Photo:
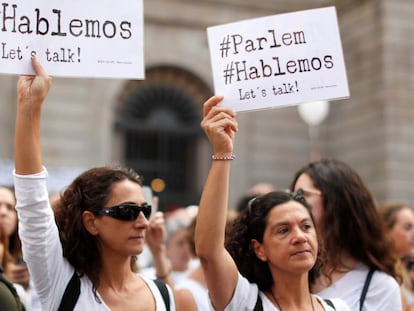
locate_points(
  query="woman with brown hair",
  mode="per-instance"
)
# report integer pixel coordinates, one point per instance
(96, 229)
(399, 219)
(360, 265)
(15, 269)
(13, 265)
(11, 295)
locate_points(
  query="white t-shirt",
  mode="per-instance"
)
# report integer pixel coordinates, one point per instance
(245, 298)
(409, 295)
(49, 270)
(199, 292)
(383, 292)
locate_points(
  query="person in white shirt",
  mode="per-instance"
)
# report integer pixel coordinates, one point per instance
(94, 231)
(353, 236)
(272, 247)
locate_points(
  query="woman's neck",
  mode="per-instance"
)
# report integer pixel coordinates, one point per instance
(292, 296)
(116, 272)
(290, 293)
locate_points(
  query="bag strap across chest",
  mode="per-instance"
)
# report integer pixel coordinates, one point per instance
(72, 292)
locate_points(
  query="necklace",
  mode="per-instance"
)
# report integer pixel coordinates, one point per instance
(280, 308)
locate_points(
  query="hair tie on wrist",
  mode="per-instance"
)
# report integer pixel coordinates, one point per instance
(223, 158)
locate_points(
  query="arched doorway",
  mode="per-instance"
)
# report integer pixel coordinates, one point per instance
(159, 120)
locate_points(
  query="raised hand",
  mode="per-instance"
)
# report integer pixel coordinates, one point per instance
(220, 126)
(32, 90)
(156, 233)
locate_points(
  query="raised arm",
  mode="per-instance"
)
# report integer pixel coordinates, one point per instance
(31, 93)
(220, 271)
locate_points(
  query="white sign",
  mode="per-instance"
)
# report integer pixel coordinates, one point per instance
(279, 60)
(76, 38)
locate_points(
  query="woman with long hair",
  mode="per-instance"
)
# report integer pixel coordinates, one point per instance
(399, 219)
(360, 265)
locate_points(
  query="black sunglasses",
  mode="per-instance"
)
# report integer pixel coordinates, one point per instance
(126, 211)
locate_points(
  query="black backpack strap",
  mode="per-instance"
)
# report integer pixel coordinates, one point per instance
(164, 293)
(259, 305)
(71, 294)
(330, 303)
(365, 288)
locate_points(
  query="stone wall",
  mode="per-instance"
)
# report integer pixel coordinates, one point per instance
(372, 130)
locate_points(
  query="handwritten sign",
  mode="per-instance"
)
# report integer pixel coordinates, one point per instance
(279, 60)
(76, 38)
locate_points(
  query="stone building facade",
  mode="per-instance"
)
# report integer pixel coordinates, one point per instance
(153, 125)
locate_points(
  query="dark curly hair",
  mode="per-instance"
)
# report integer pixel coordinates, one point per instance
(88, 192)
(251, 224)
(349, 214)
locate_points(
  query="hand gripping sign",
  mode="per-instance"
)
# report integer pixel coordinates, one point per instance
(95, 38)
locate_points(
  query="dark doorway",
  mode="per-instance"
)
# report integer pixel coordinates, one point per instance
(160, 122)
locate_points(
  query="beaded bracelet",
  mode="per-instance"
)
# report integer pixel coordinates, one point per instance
(223, 158)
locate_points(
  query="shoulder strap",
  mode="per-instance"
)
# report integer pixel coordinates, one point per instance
(71, 294)
(365, 288)
(330, 303)
(164, 293)
(259, 305)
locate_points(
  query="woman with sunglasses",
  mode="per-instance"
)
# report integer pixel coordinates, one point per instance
(272, 248)
(101, 223)
(360, 267)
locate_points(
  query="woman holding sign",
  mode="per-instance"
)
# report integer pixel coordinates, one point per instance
(272, 248)
(102, 217)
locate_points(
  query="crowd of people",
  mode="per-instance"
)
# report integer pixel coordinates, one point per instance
(324, 244)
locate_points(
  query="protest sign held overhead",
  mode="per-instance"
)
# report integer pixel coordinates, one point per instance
(96, 38)
(278, 60)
